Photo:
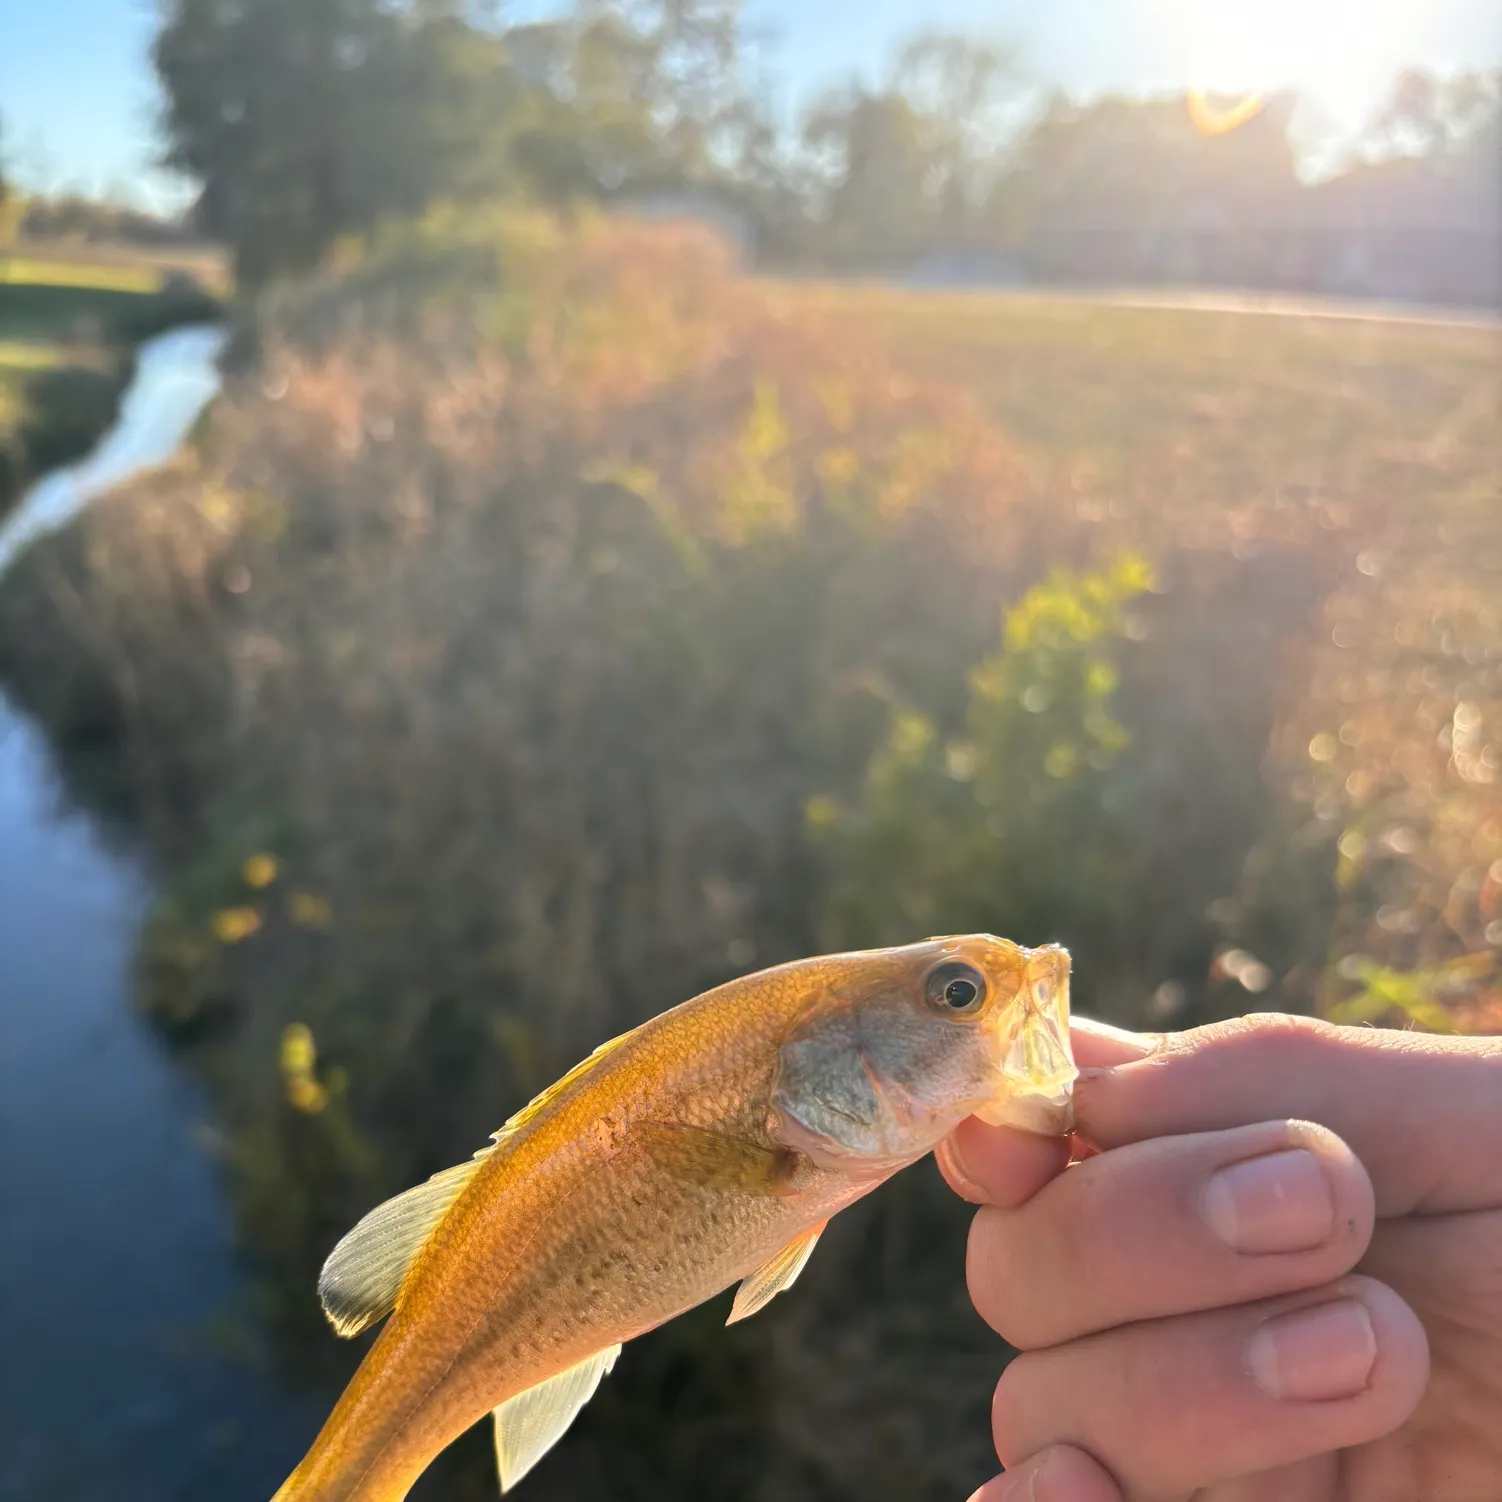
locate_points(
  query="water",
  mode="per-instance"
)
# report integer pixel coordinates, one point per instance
(176, 376)
(132, 1369)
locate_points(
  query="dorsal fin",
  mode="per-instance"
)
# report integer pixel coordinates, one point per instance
(362, 1279)
(535, 1106)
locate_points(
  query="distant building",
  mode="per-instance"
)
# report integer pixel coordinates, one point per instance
(1408, 232)
(966, 268)
(1400, 231)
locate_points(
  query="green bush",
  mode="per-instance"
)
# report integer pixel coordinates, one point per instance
(1006, 826)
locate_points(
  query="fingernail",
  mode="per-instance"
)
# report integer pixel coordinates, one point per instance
(1040, 1488)
(1315, 1355)
(1277, 1203)
(1100, 1048)
(948, 1152)
(1025, 1483)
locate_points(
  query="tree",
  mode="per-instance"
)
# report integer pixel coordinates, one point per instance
(12, 204)
(304, 120)
(634, 95)
(876, 206)
(963, 91)
(908, 166)
(307, 119)
(1426, 115)
(1127, 188)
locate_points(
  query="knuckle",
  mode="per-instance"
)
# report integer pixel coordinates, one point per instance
(1013, 1405)
(1030, 1270)
(987, 1274)
(1009, 1282)
(1272, 1034)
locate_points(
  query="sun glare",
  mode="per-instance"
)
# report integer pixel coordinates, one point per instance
(1338, 52)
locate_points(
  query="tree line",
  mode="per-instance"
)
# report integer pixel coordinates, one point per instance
(303, 121)
(308, 120)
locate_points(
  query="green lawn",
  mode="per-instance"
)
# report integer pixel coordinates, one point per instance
(18, 358)
(94, 277)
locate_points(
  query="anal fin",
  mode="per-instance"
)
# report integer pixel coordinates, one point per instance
(530, 1424)
(771, 1278)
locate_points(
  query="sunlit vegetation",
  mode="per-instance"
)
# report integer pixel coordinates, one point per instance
(549, 623)
(33, 271)
(18, 358)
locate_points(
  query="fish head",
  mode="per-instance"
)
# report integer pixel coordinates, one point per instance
(895, 1047)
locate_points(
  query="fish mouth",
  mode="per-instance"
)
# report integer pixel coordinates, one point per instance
(1037, 1064)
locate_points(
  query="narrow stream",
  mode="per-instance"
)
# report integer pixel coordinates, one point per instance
(132, 1368)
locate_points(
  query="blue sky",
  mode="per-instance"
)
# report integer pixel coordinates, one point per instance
(78, 100)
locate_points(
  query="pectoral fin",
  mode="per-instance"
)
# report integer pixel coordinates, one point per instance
(530, 1424)
(700, 1156)
(772, 1277)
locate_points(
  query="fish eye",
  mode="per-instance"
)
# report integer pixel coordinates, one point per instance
(956, 988)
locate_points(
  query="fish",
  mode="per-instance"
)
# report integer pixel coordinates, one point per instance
(706, 1148)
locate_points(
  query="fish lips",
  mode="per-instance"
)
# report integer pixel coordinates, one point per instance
(1037, 1063)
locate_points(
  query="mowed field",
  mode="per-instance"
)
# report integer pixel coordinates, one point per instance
(1237, 400)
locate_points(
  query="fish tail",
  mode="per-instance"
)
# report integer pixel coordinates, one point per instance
(320, 1478)
(362, 1453)
(365, 1452)
(296, 1489)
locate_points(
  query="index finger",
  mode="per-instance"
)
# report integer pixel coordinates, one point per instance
(1420, 1111)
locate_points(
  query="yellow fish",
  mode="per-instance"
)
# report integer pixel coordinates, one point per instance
(706, 1147)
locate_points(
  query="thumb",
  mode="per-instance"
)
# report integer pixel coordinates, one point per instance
(999, 1165)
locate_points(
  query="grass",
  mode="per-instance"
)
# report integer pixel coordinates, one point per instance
(1239, 392)
(117, 266)
(93, 276)
(17, 358)
(1373, 444)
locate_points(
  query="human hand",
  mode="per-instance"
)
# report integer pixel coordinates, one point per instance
(1231, 1303)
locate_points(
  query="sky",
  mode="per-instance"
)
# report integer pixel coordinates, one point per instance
(78, 101)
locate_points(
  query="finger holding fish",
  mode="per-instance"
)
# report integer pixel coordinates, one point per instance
(1170, 1226)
